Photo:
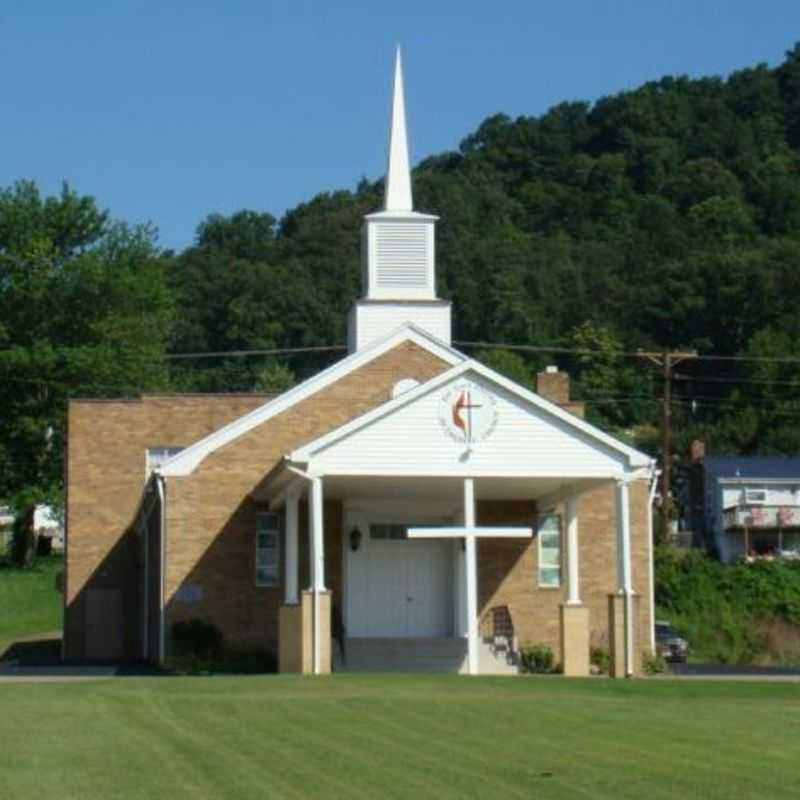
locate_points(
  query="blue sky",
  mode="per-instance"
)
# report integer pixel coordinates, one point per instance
(167, 111)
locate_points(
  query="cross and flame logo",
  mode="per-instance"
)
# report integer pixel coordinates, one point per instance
(468, 414)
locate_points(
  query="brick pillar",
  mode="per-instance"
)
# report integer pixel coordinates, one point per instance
(324, 630)
(290, 639)
(296, 635)
(616, 635)
(575, 640)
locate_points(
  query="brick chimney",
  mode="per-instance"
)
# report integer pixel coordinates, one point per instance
(553, 385)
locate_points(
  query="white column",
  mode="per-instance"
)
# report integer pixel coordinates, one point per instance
(624, 583)
(291, 559)
(471, 565)
(573, 572)
(317, 538)
(317, 565)
(624, 580)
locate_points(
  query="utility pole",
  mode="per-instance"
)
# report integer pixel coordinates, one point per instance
(667, 361)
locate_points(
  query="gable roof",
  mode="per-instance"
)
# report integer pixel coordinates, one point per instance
(634, 458)
(185, 462)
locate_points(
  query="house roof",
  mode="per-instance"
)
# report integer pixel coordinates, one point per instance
(765, 467)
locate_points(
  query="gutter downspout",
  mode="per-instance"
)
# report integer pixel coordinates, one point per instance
(162, 496)
(654, 475)
(629, 611)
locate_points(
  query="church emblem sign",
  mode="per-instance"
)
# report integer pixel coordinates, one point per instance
(468, 413)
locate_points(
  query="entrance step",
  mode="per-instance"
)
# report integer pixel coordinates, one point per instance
(418, 655)
(402, 655)
(494, 661)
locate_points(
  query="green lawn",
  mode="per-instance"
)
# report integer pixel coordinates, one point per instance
(399, 737)
(29, 602)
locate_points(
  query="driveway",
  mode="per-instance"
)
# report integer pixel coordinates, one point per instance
(734, 672)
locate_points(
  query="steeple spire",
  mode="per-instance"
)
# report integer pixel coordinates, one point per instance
(397, 195)
(398, 252)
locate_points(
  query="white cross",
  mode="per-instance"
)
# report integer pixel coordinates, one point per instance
(470, 532)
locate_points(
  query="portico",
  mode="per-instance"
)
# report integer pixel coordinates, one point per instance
(415, 555)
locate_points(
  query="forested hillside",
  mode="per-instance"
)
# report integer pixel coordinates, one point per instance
(663, 218)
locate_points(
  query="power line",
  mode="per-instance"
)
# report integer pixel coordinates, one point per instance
(275, 351)
(622, 353)
(525, 348)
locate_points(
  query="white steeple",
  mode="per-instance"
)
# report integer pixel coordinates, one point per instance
(398, 250)
(397, 193)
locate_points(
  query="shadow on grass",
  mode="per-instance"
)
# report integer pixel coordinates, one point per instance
(33, 653)
(42, 657)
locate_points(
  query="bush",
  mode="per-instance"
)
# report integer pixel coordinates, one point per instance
(653, 664)
(536, 658)
(196, 638)
(599, 657)
(730, 613)
(247, 662)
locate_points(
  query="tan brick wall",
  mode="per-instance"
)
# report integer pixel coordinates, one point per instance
(211, 513)
(107, 442)
(508, 568)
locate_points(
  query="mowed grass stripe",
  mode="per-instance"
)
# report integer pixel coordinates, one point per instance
(377, 736)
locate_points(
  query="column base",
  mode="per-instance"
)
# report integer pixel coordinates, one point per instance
(296, 635)
(617, 612)
(575, 641)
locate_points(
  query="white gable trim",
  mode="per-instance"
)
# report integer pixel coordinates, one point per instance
(634, 457)
(185, 462)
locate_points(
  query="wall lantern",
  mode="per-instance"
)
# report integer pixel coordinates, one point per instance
(355, 539)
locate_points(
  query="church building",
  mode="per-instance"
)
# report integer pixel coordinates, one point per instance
(407, 508)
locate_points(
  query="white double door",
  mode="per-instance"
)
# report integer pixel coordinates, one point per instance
(400, 588)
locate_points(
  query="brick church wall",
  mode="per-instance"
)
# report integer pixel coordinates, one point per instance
(105, 466)
(211, 514)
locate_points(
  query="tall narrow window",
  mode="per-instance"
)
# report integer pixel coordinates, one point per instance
(549, 536)
(268, 549)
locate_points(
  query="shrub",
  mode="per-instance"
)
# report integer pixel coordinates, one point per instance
(196, 638)
(247, 662)
(653, 664)
(599, 657)
(730, 613)
(536, 658)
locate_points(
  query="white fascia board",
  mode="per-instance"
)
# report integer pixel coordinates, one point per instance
(634, 457)
(185, 462)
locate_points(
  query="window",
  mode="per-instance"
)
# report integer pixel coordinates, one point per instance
(268, 549)
(755, 496)
(388, 531)
(156, 456)
(549, 535)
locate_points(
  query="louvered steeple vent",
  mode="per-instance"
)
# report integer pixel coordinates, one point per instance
(398, 250)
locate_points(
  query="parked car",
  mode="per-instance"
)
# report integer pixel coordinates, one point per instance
(669, 644)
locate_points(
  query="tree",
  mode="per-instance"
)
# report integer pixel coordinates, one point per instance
(85, 312)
